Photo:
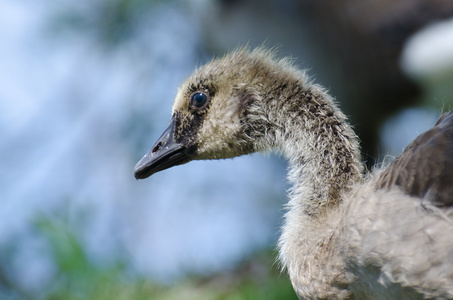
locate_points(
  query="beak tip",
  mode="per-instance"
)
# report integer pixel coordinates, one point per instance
(141, 172)
(141, 166)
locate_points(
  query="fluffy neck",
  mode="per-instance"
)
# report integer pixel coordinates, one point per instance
(304, 125)
(300, 120)
(322, 150)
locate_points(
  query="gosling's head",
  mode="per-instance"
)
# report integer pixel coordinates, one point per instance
(217, 112)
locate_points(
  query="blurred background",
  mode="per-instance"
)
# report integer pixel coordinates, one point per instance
(86, 87)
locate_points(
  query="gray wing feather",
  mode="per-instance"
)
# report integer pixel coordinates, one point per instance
(425, 168)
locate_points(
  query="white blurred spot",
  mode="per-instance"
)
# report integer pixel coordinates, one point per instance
(429, 51)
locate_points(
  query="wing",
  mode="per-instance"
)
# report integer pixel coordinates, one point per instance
(425, 167)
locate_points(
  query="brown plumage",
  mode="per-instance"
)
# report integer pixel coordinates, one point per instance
(386, 235)
(426, 165)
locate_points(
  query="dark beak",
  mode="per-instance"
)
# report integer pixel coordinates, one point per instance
(165, 154)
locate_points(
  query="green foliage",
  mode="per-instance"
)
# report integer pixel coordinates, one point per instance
(78, 277)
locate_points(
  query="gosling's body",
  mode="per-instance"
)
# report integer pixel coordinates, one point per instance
(384, 237)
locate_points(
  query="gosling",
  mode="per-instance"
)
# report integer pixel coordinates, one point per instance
(346, 235)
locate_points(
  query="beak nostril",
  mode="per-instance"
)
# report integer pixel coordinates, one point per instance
(155, 149)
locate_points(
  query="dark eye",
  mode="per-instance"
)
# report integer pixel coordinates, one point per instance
(199, 100)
